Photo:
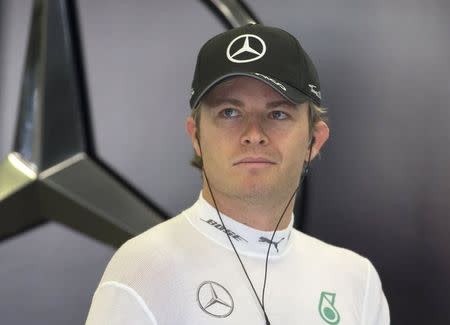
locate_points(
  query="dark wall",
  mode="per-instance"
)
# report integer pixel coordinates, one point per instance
(382, 185)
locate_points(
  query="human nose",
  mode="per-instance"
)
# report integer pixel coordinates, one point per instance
(254, 133)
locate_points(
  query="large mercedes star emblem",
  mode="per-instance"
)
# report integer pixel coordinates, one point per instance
(214, 299)
(246, 48)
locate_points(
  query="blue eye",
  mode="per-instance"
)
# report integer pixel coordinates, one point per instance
(278, 115)
(229, 112)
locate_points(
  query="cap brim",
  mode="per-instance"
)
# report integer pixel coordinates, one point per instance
(290, 93)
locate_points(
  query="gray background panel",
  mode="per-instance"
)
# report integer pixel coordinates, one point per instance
(14, 27)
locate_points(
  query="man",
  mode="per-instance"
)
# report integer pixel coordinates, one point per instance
(234, 257)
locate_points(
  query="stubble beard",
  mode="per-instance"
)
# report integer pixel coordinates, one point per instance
(259, 192)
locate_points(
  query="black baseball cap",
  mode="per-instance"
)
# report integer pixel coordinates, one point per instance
(269, 54)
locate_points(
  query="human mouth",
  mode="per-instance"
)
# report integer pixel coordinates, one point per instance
(255, 162)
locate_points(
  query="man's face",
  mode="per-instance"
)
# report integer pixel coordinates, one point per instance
(253, 142)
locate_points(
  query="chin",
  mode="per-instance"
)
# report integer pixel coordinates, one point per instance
(255, 188)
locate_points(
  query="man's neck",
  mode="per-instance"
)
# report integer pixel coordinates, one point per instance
(263, 216)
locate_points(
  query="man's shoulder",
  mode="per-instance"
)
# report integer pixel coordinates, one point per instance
(324, 253)
(161, 234)
(154, 250)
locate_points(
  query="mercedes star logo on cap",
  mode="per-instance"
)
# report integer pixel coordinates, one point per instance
(214, 299)
(241, 51)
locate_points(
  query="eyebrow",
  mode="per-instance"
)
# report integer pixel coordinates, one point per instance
(282, 102)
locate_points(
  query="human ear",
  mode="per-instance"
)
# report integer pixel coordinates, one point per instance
(320, 135)
(191, 129)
